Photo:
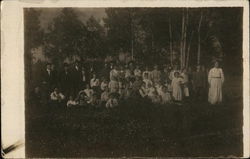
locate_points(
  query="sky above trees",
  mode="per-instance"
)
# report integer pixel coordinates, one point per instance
(48, 14)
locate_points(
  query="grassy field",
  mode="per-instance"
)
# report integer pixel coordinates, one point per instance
(138, 128)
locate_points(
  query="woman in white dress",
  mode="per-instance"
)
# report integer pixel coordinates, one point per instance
(215, 81)
(176, 87)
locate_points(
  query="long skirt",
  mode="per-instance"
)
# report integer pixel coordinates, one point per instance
(177, 93)
(215, 91)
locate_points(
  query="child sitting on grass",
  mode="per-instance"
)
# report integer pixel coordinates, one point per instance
(88, 92)
(105, 95)
(143, 90)
(112, 102)
(82, 98)
(165, 95)
(155, 98)
(95, 102)
(71, 102)
(104, 84)
(57, 97)
(114, 85)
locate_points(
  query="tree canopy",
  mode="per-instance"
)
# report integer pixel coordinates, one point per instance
(186, 36)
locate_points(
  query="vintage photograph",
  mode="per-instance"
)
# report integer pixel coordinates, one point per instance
(133, 82)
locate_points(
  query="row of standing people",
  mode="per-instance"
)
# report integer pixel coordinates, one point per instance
(159, 86)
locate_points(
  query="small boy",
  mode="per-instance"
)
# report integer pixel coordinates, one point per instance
(165, 95)
(112, 102)
(71, 102)
(57, 96)
(114, 86)
(88, 91)
(105, 95)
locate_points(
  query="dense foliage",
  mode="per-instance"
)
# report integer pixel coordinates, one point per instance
(187, 36)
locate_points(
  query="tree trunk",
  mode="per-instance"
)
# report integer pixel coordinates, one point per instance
(182, 37)
(170, 43)
(185, 40)
(188, 50)
(199, 42)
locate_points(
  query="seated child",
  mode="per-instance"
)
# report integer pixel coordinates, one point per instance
(122, 90)
(122, 72)
(89, 92)
(71, 102)
(105, 95)
(104, 84)
(147, 80)
(151, 90)
(128, 73)
(94, 83)
(114, 86)
(155, 98)
(81, 99)
(128, 90)
(94, 100)
(112, 102)
(56, 96)
(143, 90)
(158, 87)
(165, 95)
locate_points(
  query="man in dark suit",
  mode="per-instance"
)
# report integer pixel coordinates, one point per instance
(76, 78)
(48, 80)
(64, 78)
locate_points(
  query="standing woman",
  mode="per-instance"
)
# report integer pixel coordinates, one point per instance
(215, 81)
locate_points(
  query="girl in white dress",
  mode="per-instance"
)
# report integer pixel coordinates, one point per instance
(114, 86)
(155, 98)
(104, 84)
(165, 95)
(88, 91)
(105, 95)
(176, 87)
(94, 82)
(147, 80)
(71, 102)
(151, 91)
(143, 90)
(112, 102)
(215, 81)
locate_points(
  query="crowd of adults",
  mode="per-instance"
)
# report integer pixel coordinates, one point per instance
(77, 85)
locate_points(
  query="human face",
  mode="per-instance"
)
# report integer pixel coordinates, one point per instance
(216, 64)
(48, 67)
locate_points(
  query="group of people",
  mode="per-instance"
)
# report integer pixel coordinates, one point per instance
(114, 83)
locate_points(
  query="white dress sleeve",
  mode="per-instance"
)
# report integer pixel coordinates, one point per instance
(210, 76)
(62, 96)
(52, 96)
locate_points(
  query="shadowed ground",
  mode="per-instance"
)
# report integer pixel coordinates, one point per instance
(138, 128)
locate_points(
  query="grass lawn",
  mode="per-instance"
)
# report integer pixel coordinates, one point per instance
(136, 128)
